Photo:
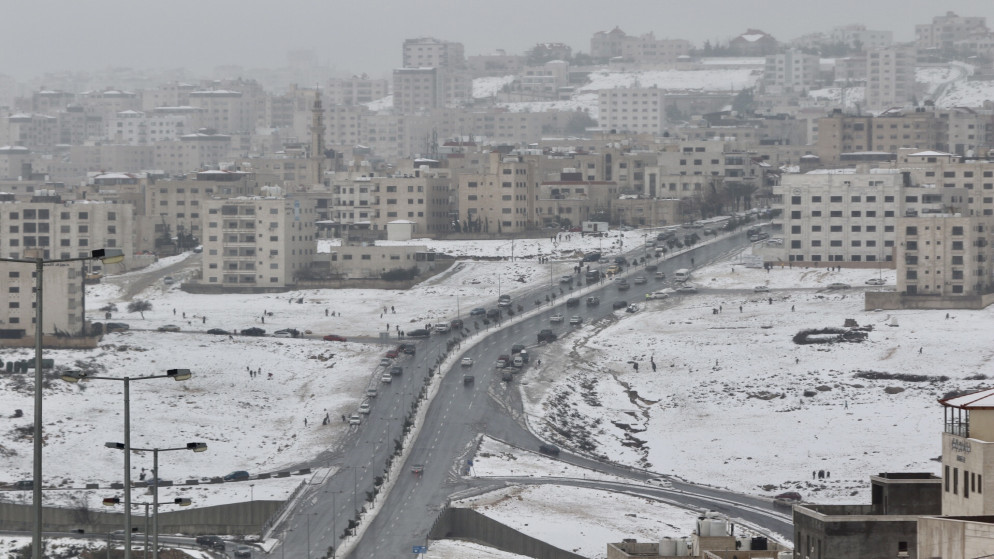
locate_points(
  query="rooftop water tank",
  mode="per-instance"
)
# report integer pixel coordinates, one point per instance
(667, 547)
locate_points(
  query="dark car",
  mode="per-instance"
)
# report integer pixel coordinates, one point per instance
(116, 327)
(456, 324)
(651, 268)
(593, 301)
(419, 333)
(546, 336)
(478, 311)
(408, 349)
(619, 304)
(334, 338)
(592, 257)
(621, 260)
(550, 449)
(254, 331)
(572, 302)
(212, 542)
(493, 313)
(396, 371)
(516, 348)
(25, 484)
(237, 475)
(218, 332)
(243, 551)
(623, 285)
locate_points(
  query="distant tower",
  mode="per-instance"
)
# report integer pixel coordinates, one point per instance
(317, 137)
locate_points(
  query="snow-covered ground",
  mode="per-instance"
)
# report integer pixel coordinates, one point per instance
(489, 86)
(725, 407)
(676, 80)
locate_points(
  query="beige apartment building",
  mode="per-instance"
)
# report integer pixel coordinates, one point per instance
(791, 71)
(502, 199)
(192, 152)
(945, 255)
(635, 109)
(225, 111)
(257, 243)
(920, 129)
(946, 30)
(890, 76)
(356, 90)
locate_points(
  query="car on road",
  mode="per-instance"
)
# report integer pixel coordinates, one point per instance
(419, 333)
(219, 332)
(761, 289)
(254, 331)
(593, 301)
(639, 280)
(334, 338)
(168, 328)
(354, 419)
(243, 551)
(370, 392)
(687, 288)
(25, 484)
(117, 535)
(546, 336)
(442, 327)
(517, 348)
(467, 362)
(788, 498)
(408, 349)
(478, 311)
(386, 379)
(168, 280)
(213, 542)
(507, 376)
(566, 279)
(285, 333)
(576, 320)
(468, 379)
(116, 327)
(875, 281)
(660, 276)
(661, 482)
(396, 371)
(835, 286)
(550, 449)
(456, 324)
(623, 285)
(392, 353)
(385, 362)
(493, 314)
(619, 305)
(572, 302)
(364, 408)
(558, 317)
(237, 475)
(612, 269)
(657, 295)
(633, 308)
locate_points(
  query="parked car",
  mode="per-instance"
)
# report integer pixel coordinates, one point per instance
(493, 314)
(593, 301)
(550, 449)
(354, 419)
(237, 475)
(761, 289)
(386, 379)
(408, 349)
(687, 288)
(396, 371)
(639, 280)
(835, 286)
(334, 338)
(385, 362)
(633, 308)
(576, 320)
(507, 376)
(875, 281)
(517, 348)
(467, 362)
(285, 333)
(441, 327)
(371, 392)
(478, 311)
(546, 336)
(612, 269)
(558, 317)
(419, 333)
(566, 279)
(24, 484)
(168, 328)
(168, 280)
(219, 332)
(254, 331)
(116, 327)
(213, 542)
(364, 408)
(619, 304)
(456, 324)
(651, 268)
(243, 551)
(572, 302)
(503, 361)
(392, 353)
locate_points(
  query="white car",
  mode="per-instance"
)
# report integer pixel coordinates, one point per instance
(687, 288)
(661, 482)
(364, 408)
(761, 289)
(576, 320)
(354, 419)
(657, 295)
(467, 361)
(557, 318)
(386, 379)
(875, 281)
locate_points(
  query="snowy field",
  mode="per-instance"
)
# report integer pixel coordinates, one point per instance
(676, 80)
(722, 380)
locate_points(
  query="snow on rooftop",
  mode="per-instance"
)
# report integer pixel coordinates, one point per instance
(753, 37)
(931, 153)
(983, 400)
(675, 80)
(381, 104)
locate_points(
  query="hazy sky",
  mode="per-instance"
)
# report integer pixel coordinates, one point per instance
(366, 35)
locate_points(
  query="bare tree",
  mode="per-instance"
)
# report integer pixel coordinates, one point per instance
(139, 306)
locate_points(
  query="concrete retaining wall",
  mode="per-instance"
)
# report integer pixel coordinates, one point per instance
(467, 524)
(53, 342)
(233, 519)
(890, 300)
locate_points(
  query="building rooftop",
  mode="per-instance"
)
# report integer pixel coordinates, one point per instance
(983, 400)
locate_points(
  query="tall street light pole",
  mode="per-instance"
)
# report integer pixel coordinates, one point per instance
(111, 256)
(111, 501)
(175, 374)
(156, 480)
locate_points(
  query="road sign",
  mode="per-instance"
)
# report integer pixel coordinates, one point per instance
(420, 549)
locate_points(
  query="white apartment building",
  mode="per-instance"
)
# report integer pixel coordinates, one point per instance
(225, 111)
(791, 70)
(428, 52)
(945, 30)
(890, 76)
(52, 229)
(191, 152)
(636, 109)
(356, 90)
(135, 128)
(502, 199)
(944, 254)
(257, 243)
(857, 35)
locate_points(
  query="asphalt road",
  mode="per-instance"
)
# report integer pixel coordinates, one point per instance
(459, 414)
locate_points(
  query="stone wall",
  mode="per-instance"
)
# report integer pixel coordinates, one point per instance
(467, 524)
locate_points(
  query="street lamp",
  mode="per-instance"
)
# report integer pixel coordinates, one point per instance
(111, 256)
(156, 480)
(175, 374)
(111, 501)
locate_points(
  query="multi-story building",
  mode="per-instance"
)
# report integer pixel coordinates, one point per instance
(644, 49)
(356, 90)
(753, 42)
(34, 131)
(945, 255)
(415, 89)
(945, 30)
(76, 126)
(857, 36)
(791, 70)
(257, 243)
(890, 76)
(502, 199)
(192, 152)
(636, 109)
(225, 111)
(428, 52)
(920, 129)
(135, 128)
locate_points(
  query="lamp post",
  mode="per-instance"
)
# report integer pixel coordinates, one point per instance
(111, 501)
(175, 374)
(156, 480)
(112, 256)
